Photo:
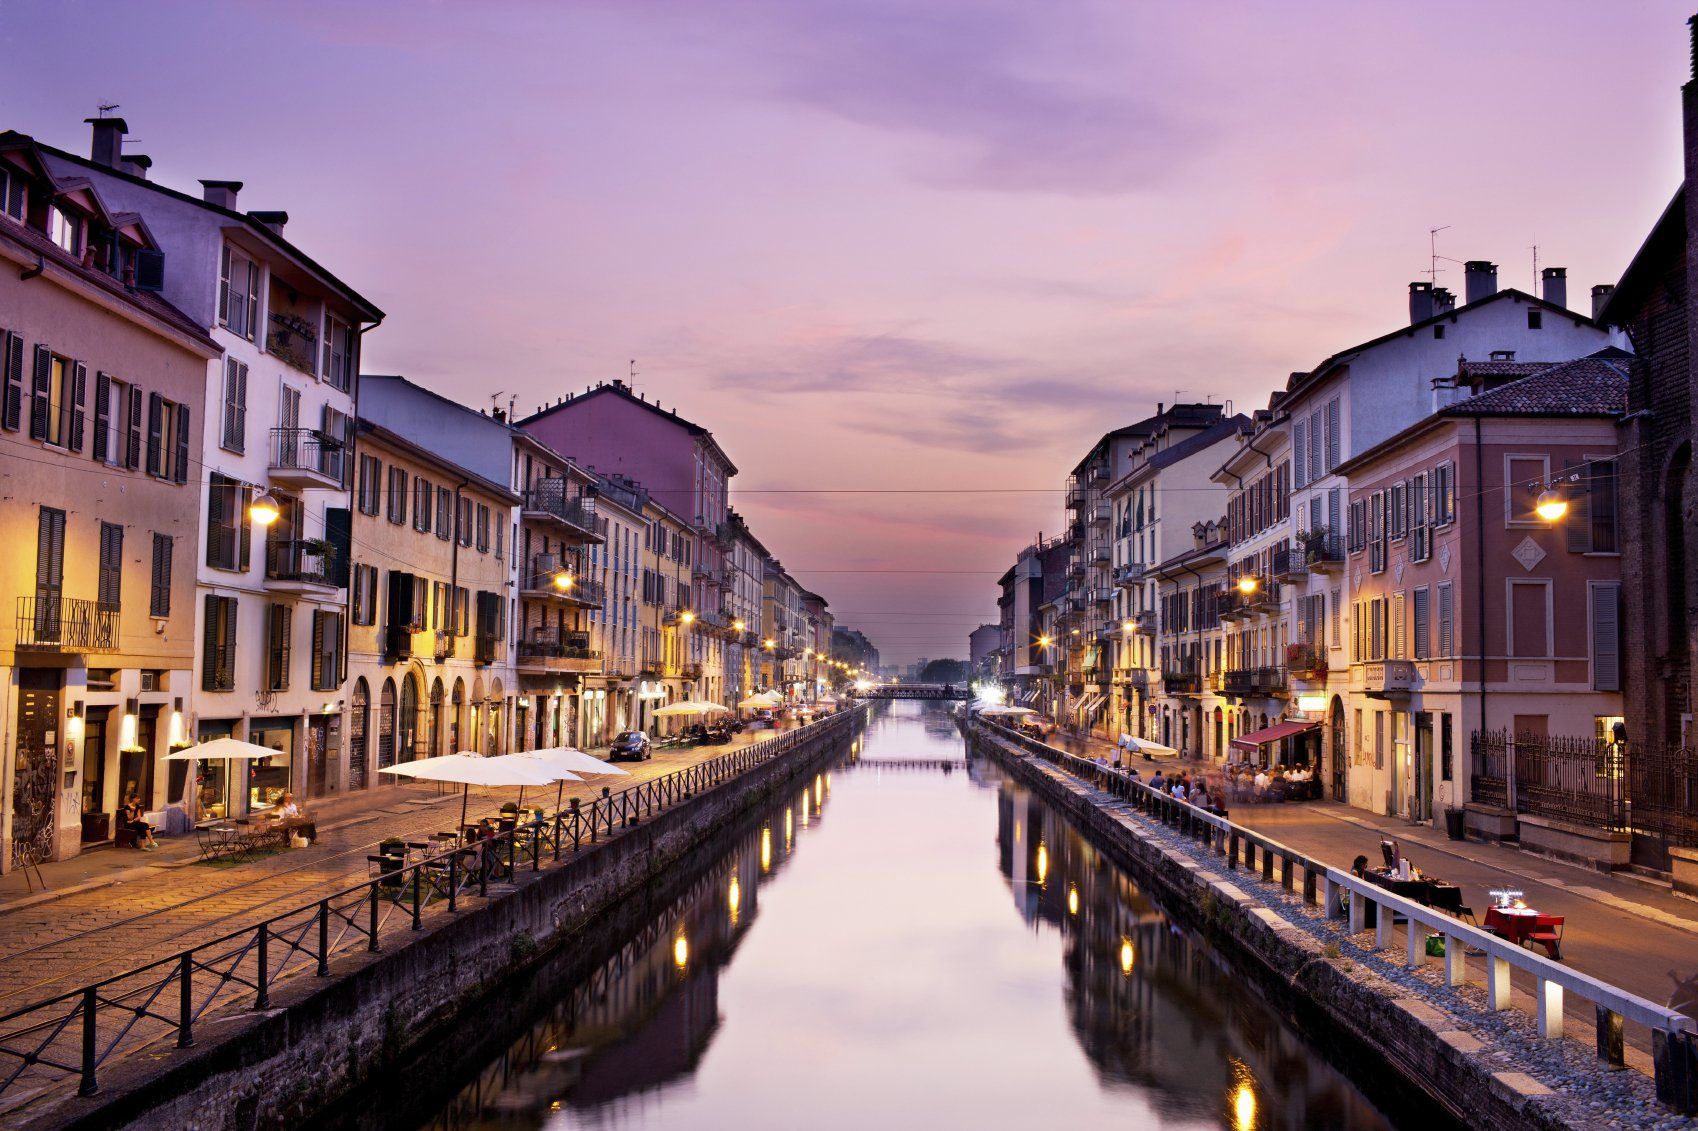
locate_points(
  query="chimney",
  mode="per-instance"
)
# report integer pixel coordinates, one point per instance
(1480, 280)
(1443, 301)
(108, 144)
(221, 193)
(137, 165)
(1601, 295)
(1420, 302)
(1553, 286)
(272, 220)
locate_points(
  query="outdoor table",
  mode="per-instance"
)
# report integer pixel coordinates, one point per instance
(219, 840)
(1522, 925)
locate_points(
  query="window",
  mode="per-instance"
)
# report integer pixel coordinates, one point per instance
(1605, 600)
(109, 590)
(1535, 319)
(228, 531)
(371, 483)
(338, 352)
(326, 650)
(363, 599)
(56, 402)
(1438, 330)
(218, 653)
(1447, 620)
(1399, 511)
(235, 432)
(1592, 507)
(159, 598)
(167, 439)
(1333, 437)
(1300, 451)
(279, 626)
(465, 521)
(1422, 616)
(12, 392)
(483, 528)
(65, 229)
(12, 199)
(444, 513)
(112, 425)
(422, 499)
(1530, 619)
(238, 294)
(398, 495)
(1444, 494)
(1524, 478)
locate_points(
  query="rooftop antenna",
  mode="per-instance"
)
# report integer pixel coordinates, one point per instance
(107, 107)
(495, 401)
(1433, 255)
(1536, 272)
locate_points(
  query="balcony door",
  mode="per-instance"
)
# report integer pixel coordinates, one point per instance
(288, 421)
(49, 574)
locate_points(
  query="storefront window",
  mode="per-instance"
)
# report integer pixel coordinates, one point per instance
(268, 778)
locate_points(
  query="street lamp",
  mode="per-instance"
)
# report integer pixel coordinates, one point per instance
(1551, 504)
(265, 509)
(1248, 584)
(686, 617)
(564, 580)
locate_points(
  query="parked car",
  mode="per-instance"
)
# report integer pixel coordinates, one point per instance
(630, 745)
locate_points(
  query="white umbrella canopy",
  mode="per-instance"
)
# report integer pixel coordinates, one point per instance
(468, 770)
(1145, 746)
(760, 699)
(1005, 710)
(233, 749)
(570, 758)
(690, 707)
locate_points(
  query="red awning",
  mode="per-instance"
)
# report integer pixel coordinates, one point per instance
(1273, 734)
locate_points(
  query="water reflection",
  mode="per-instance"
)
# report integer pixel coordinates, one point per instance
(864, 970)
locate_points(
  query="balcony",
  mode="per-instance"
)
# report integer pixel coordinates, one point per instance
(1092, 675)
(1289, 564)
(1101, 554)
(1144, 621)
(1383, 679)
(1138, 679)
(66, 624)
(1323, 553)
(1098, 473)
(1306, 662)
(1101, 596)
(306, 457)
(1181, 681)
(1129, 575)
(690, 671)
(547, 502)
(550, 578)
(1254, 681)
(300, 565)
(547, 650)
(1102, 514)
(486, 649)
(1075, 494)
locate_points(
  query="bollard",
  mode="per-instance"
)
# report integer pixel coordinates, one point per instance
(185, 1001)
(323, 938)
(262, 983)
(90, 1011)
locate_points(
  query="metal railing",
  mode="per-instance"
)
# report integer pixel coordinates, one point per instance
(1323, 552)
(1253, 681)
(548, 496)
(1340, 894)
(73, 1034)
(307, 449)
(553, 645)
(299, 560)
(66, 624)
(547, 581)
(1581, 780)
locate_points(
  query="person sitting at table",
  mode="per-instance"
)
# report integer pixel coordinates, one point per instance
(1261, 782)
(1359, 867)
(132, 818)
(287, 808)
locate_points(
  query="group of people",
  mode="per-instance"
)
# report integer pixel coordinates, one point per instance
(1183, 787)
(1270, 783)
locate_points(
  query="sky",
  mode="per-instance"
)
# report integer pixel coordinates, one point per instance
(882, 247)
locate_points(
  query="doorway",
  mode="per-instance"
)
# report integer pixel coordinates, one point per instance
(1421, 774)
(35, 782)
(96, 809)
(1340, 751)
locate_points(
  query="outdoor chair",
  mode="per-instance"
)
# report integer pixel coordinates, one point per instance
(1548, 937)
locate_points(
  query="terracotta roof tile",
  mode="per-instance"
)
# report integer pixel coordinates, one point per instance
(1587, 386)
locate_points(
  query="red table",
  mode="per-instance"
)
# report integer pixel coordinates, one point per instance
(1521, 926)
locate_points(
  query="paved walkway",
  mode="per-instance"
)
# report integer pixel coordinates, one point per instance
(1621, 928)
(111, 910)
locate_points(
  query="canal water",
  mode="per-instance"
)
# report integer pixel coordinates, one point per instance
(910, 940)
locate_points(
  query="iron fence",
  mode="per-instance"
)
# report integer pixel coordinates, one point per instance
(75, 1033)
(1581, 780)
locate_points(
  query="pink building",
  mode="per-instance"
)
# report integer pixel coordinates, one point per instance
(1466, 611)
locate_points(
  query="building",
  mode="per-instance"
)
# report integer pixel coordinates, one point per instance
(554, 653)
(783, 644)
(611, 429)
(278, 409)
(429, 664)
(816, 644)
(100, 417)
(1473, 614)
(1190, 712)
(665, 674)
(609, 702)
(746, 566)
(851, 646)
(984, 652)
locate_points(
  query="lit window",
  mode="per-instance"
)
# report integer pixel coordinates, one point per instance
(64, 229)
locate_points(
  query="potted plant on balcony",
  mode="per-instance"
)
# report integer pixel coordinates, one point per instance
(1315, 541)
(1305, 660)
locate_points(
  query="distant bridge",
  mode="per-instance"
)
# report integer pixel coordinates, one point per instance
(945, 691)
(947, 765)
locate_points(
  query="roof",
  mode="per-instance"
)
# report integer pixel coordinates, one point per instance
(1274, 733)
(620, 389)
(1300, 381)
(1192, 414)
(1187, 447)
(1595, 385)
(425, 455)
(1667, 238)
(1193, 556)
(252, 223)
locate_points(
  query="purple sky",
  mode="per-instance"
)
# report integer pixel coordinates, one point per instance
(913, 243)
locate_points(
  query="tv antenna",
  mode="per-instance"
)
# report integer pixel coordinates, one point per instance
(1433, 255)
(1536, 271)
(107, 107)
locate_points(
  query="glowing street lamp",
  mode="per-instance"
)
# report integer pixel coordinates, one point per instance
(686, 617)
(1248, 584)
(265, 509)
(1551, 505)
(564, 580)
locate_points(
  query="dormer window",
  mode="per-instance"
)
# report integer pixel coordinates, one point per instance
(12, 202)
(65, 230)
(338, 353)
(238, 294)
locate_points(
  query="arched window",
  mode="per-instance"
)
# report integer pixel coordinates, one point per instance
(457, 717)
(386, 726)
(433, 723)
(407, 723)
(359, 724)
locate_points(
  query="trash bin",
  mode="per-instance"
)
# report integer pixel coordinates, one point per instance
(1453, 824)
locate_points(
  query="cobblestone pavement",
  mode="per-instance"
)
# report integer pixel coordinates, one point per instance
(158, 908)
(1622, 929)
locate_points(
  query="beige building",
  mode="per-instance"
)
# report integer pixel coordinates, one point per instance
(100, 426)
(429, 668)
(608, 703)
(558, 522)
(666, 622)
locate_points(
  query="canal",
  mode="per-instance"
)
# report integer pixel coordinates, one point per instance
(911, 940)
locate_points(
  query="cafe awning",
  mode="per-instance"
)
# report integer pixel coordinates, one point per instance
(1274, 733)
(1089, 704)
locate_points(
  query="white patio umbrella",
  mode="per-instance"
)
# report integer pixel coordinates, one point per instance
(1147, 748)
(1006, 711)
(214, 749)
(571, 761)
(468, 770)
(690, 707)
(760, 699)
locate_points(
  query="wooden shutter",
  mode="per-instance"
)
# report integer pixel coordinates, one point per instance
(1333, 438)
(109, 584)
(1606, 637)
(235, 405)
(38, 404)
(12, 397)
(1578, 520)
(78, 399)
(210, 653)
(1300, 452)
(180, 470)
(50, 554)
(227, 653)
(338, 533)
(317, 649)
(155, 422)
(102, 416)
(282, 624)
(159, 600)
(132, 430)
(1447, 622)
(216, 534)
(1422, 618)
(253, 300)
(224, 287)
(240, 498)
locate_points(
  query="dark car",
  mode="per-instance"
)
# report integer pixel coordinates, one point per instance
(630, 745)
